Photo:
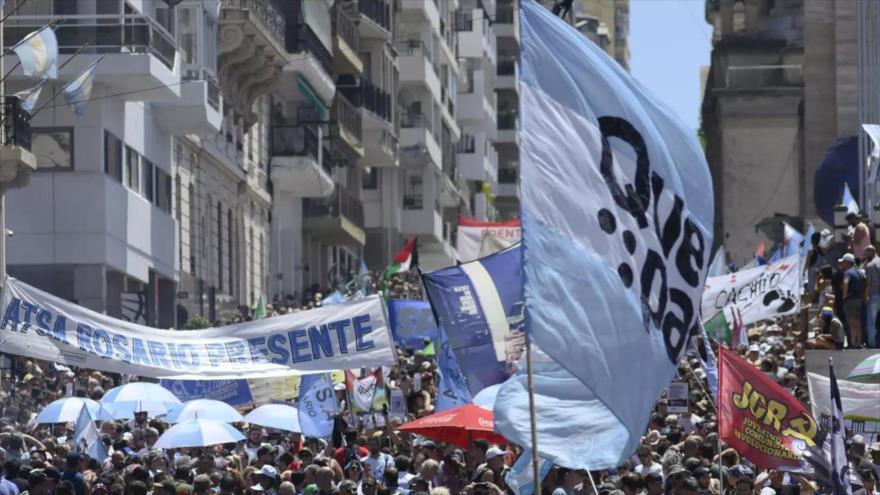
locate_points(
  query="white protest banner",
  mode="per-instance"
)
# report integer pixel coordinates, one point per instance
(360, 391)
(757, 293)
(677, 399)
(859, 400)
(39, 325)
(397, 408)
(472, 233)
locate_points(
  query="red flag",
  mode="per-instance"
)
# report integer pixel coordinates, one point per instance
(759, 418)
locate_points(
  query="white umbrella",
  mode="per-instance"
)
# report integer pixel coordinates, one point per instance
(278, 416)
(67, 410)
(486, 398)
(198, 433)
(125, 400)
(204, 409)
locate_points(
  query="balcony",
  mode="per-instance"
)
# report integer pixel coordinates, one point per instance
(417, 138)
(252, 53)
(311, 60)
(338, 219)
(346, 44)
(419, 12)
(507, 131)
(416, 66)
(505, 73)
(475, 158)
(476, 104)
(474, 35)
(376, 19)
(508, 182)
(138, 52)
(348, 123)
(506, 25)
(198, 109)
(296, 162)
(16, 160)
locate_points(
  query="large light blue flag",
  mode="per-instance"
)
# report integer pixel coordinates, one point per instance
(718, 266)
(316, 405)
(617, 219)
(38, 53)
(86, 439)
(521, 477)
(793, 241)
(29, 97)
(334, 297)
(78, 91)
(452, 388)
(808, 240)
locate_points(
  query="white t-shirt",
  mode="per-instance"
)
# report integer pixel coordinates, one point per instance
(653, 468)
(378, 464)
(689, 424)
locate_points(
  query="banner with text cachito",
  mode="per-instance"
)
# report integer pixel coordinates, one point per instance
(757, 293)
(761, 420)
(351, 335)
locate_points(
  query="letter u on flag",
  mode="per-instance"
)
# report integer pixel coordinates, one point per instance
(617, 219)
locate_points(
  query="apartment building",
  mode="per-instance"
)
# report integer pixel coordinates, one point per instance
(155, 204)
(507, 42)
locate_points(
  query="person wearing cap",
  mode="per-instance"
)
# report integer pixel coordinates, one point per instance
(830, 333)
(267, 477)
(202, 484)
(853, 298)
(493, 470)
(377, 461)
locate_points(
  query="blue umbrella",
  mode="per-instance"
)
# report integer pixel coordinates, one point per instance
(276, 416)
(198, 433)
(213, 410)
(125, 400)
(66, 410)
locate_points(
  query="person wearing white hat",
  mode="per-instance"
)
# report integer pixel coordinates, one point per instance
(853, 297)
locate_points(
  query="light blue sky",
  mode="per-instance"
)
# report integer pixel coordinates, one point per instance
(669, 40)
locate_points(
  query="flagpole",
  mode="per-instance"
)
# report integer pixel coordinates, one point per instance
(536, 469)
(57, 93)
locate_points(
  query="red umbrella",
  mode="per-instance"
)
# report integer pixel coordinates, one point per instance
(459, 426)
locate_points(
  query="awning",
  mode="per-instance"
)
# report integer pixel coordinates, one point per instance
(312, 95)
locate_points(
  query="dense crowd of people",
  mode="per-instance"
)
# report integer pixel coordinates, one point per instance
(680, 453)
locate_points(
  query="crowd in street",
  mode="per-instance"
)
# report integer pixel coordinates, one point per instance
(679, 453)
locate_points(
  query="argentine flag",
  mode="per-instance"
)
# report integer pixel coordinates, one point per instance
(29, 97)
(78, 91)
(617, 219)
(38, 53)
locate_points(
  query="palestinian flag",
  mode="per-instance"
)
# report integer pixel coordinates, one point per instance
(405, 259)
(718, 328)
(260, 311)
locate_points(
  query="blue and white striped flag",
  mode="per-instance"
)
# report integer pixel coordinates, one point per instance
(316, 405)
(840, 475)
(78, 91)
(38, 53)
(29, 97)
(852, 206)
(617, 219)
(86, 438)
(521, 477)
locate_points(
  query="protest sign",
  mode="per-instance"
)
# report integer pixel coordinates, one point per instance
(760, 419)
(861, 401)
(361, 391)
(480, 307)
(232, 392)
(411, 322)
(317, 405)
(677, 399)
(398, 404)
(757, 293)
(472, 234)
(39, 325)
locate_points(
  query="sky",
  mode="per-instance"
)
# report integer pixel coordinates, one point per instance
(669, 40)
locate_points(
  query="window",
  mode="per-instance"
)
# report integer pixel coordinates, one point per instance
(412, 193)
(112, 156)
(132, 168)
(186, 35)
(178, 213)
(147, 189)
(193, 237)
(53, 148)
(163, 191)
(219, 246)
(371, 178)
(251, 262)
(229, 250)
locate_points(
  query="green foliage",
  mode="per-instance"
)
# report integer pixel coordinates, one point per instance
(197, 322)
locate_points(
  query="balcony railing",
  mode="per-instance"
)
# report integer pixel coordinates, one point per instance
(464, 21)
(369, 96)
(102, 34)
(264, 12)
(506, 67)
(346, 28)
(415, 47)
(199, 73)
(507, 121)
(411, 120)
(341, 204)
(16, 124)
(347, 116)
(377, 10)
(467, 144)
(508, 176)
(764, 76)
(294, 140)
(302, 39)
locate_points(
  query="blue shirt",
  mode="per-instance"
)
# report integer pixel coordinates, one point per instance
(856, 280)
(7, 487)
(79, 485)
